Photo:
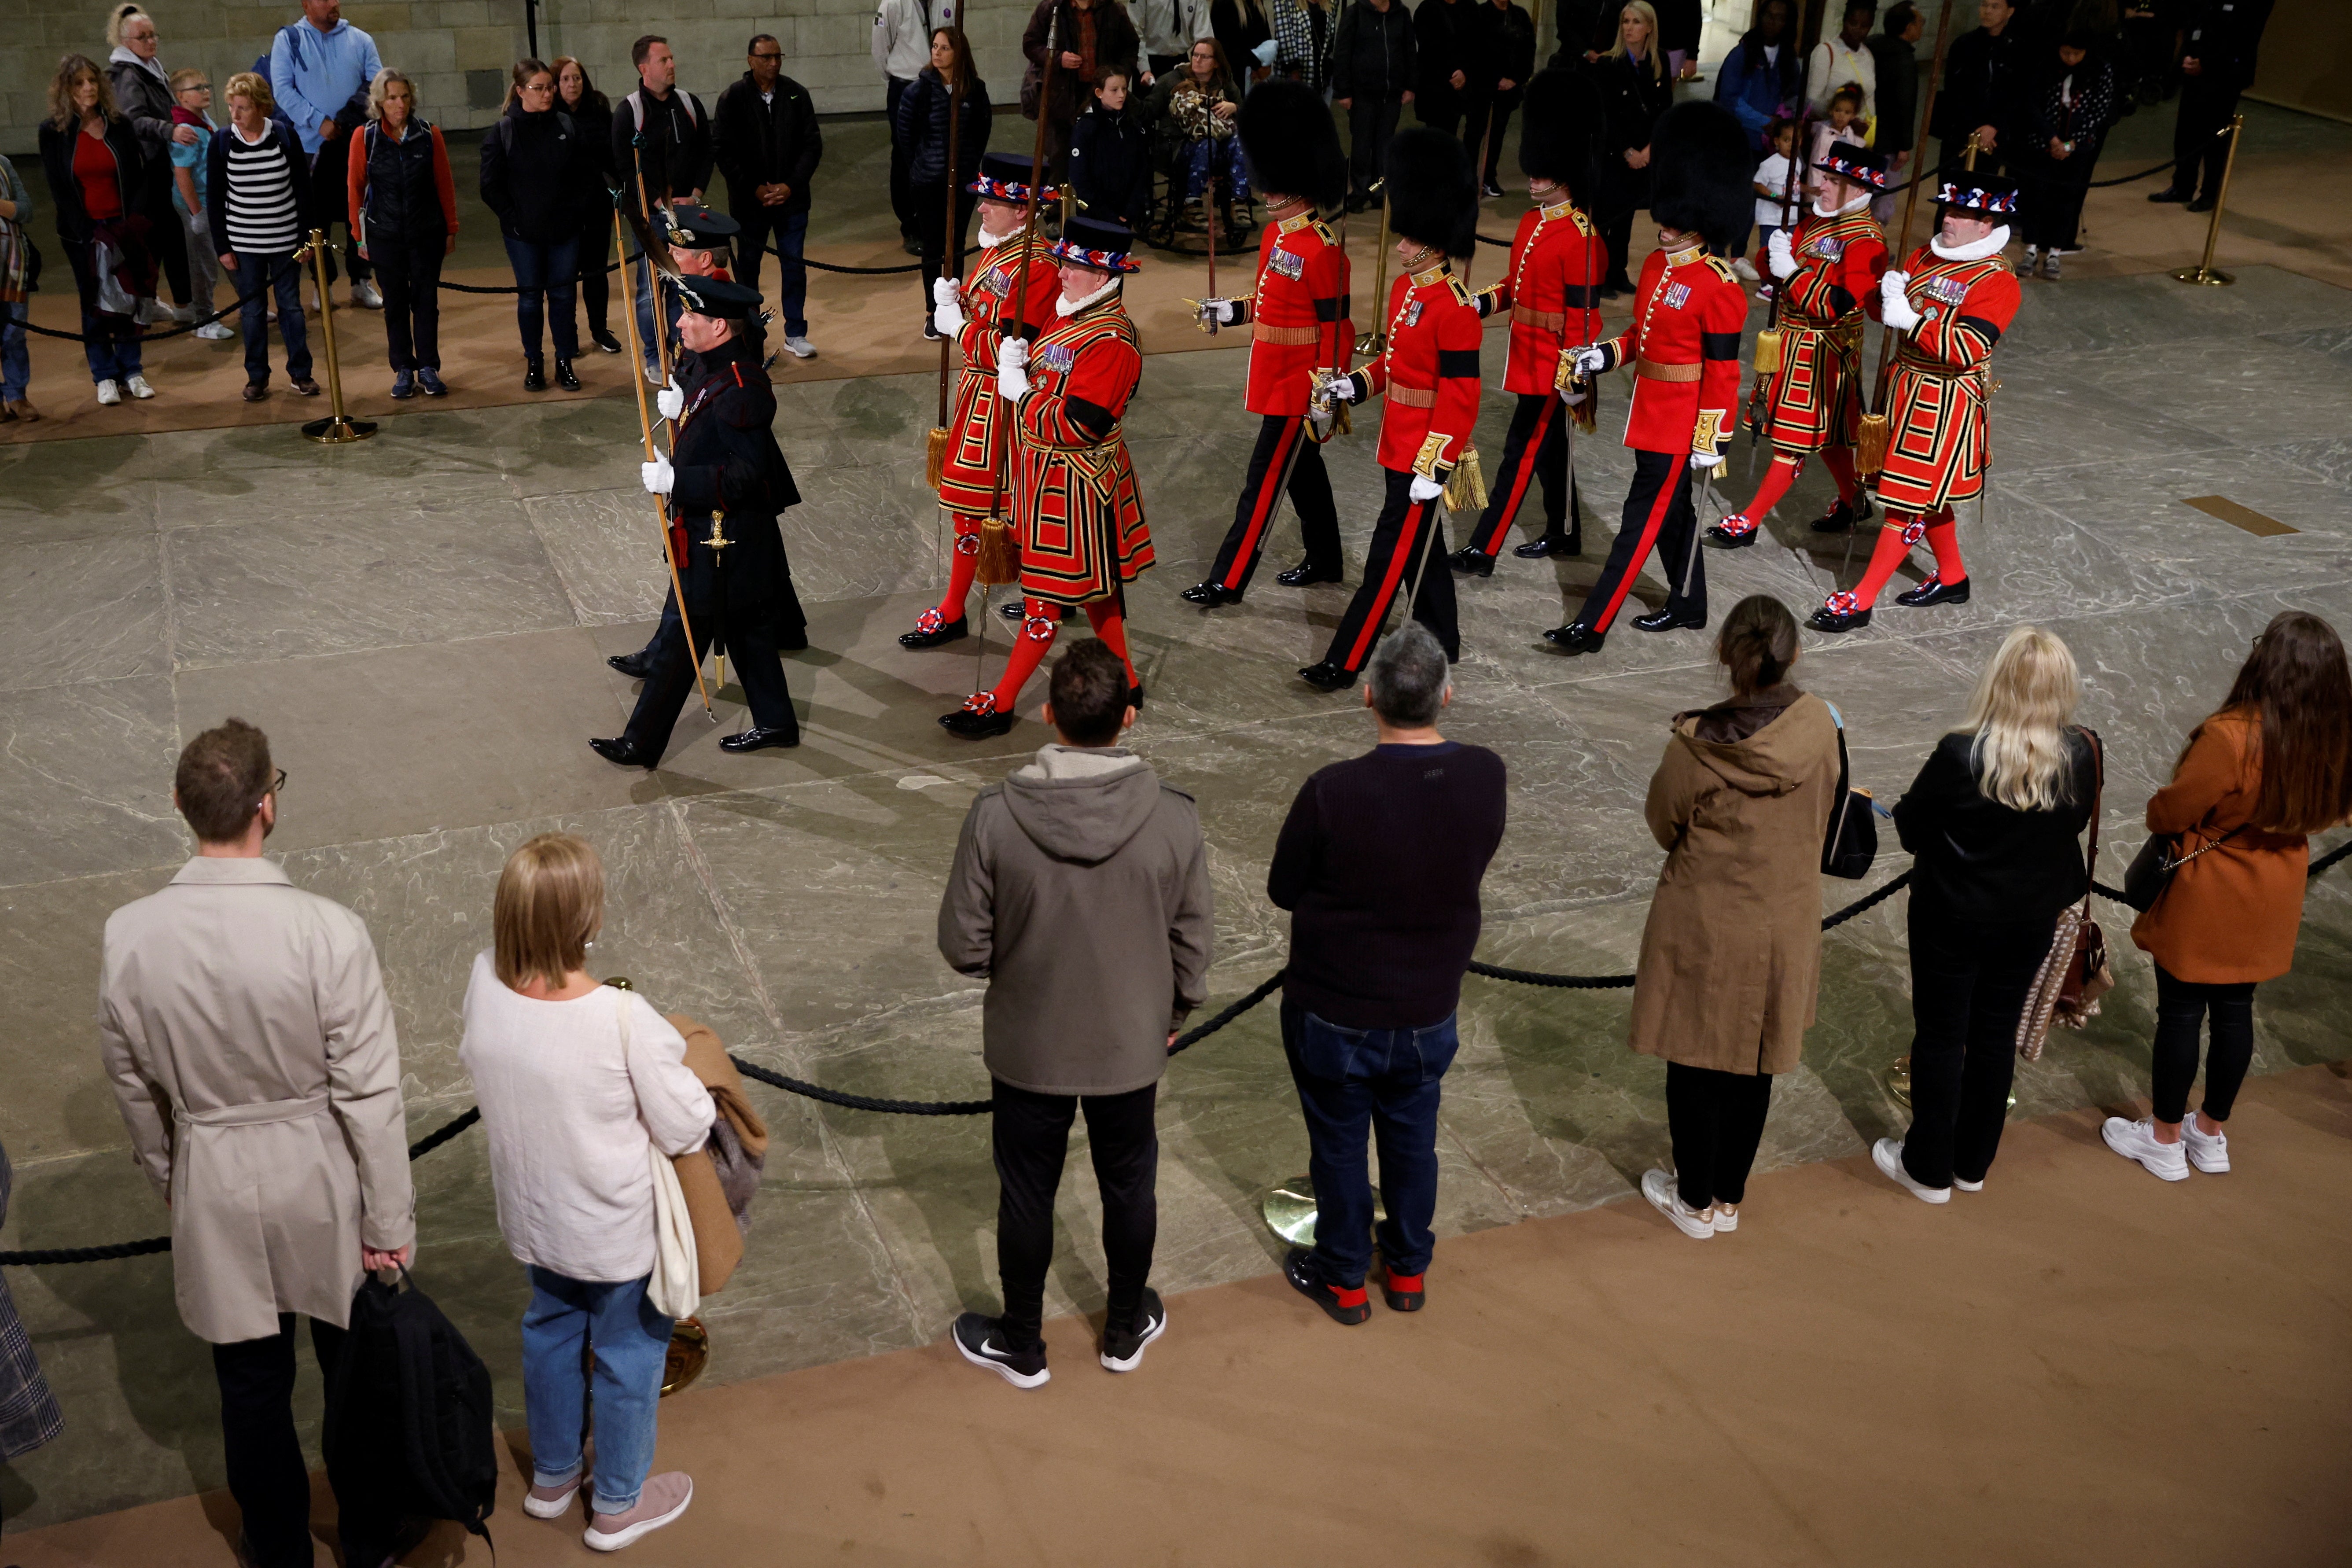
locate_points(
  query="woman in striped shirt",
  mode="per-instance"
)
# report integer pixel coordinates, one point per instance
(261, 194)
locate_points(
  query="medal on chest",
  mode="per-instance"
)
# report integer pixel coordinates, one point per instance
(1950, 290)
(1290, 264)
(1827, 249)
(1675, 295)
(1057, 358)
(1411, 317)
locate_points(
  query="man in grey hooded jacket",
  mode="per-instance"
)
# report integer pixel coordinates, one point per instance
(1080, 892)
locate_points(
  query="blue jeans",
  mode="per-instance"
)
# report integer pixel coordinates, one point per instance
(632, 1342)
(1384, 1081)
(250, 272)
(547, 280)
(647, 343)
(1213, 155)
(16, 361)
(112, 346)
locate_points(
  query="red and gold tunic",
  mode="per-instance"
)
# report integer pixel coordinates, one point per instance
(1940, 445)
(1297, 313)
(1552, 292)
(1076, 501)
(1429, 372)
(1684, 346)
(975, 445)
(1816, 397)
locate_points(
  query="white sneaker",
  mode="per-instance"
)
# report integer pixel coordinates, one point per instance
(136, 387)
(1727, 1217)
(1658, 1187)
(2209, 1152)
(2032, 261)
(214, 332)
(551, 1503)
(802, 348)
(152, 312)
(1745, 268)
(1967, 1186)
(2049, 267)
(109, 394)
(2136, 1141)
(1887, 1155)
(367, 296)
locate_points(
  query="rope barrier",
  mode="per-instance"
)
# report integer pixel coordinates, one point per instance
(1186, 1041)
(140, 335)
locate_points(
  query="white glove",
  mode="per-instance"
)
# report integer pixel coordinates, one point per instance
(1703, 461)
(659, 477)
(1425, 488)
(670, 400)
(1340, 389)
(1012, 376)
(1591, 360)
(943, 292)
(948, 318)
(1222, 311)
(1014, 351)
(1781, 255)
(1893, 307)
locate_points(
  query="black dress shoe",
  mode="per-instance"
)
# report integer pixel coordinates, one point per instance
(1576, 637)
(757, 739)
(2168, 194)
(794, 642)
(1306, 574)
(968, 725)
(563, 376)
(1827, 620)
(1935, 591)
(635, 666)
(1669, 621)
(939, 636)
(604, 340)
(1841, 518)
(2202, 204)
(1324, 676)
(1722, 538)
(1135, 697)
(1550, 545)
(626, 751)
(533, 378)
(1471, 561)
(1209, 595)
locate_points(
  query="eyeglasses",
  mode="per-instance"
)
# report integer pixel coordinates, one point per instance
(277, 786)
(778, 55)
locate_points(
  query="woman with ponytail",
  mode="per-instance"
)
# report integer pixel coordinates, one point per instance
(2272, 766)
(1731, 957)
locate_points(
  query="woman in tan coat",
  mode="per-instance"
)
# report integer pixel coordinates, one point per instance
(1731, 957)
(2274, 765)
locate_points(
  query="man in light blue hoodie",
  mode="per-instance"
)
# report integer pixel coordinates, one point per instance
(320, 68)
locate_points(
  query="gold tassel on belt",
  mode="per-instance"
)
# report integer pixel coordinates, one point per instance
(1465, 487)
(1768, 351)
(935, 455)
(999, 561)
(1870, 444)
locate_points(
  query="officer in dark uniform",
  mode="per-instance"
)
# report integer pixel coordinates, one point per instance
(2218, 41)
(725, 484)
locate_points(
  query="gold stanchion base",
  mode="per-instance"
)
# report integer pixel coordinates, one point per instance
(336, 430)
(1370, 344)
(1899, 1084)
(2209, 276)
(1289, 1211)
(689, 1353)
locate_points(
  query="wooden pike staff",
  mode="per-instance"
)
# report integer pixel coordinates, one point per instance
(1871, 439)
(1465, 487)
(1768, 337)
(935, 453)
(645, 430)
(645, 240)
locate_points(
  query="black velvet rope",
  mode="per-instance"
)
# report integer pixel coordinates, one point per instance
(143, 336)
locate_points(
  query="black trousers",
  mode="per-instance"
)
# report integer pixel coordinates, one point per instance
(1441, 108)
(1494, 117)
(1409, 539)
(2053, 215)
(595, 283)
(2182, 1008)
(330, 204)
(267, 1473)
(1715, 1119)
(408, 269)
(2199, 146)
(902, 201)
(1658, 516)
(167, 236)
(1287, 459)
(1032, 1137)
(1968, 980)
(931, 229)
(1372, 126)
(1617, 230)
(759, 666)
(1535, 450)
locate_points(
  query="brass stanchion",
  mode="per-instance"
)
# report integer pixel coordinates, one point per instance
(1289, 1211)
(1376, 339)
(2203, 272)
(338, 428)
(1899, 1084)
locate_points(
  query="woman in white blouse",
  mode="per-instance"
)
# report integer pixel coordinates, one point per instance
(575, 1080)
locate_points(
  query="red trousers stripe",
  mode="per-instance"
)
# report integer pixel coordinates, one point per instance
(1525, 476)
(1269, 495)
(1650, 526)
(1410, 545)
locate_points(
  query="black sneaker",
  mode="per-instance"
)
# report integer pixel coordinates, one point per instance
(1122, 1347)
(1348, 1307)
(980, 1341)
(604, 341)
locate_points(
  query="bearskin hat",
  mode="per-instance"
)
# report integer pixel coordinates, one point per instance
(1433, 191)
(1291, 146)
(1560, 127)
(1702, 173)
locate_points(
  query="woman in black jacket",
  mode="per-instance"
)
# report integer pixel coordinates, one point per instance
(2073, 108)
(592, 112)
(1991, 823)
(1634, 90)
(95, 167)
(921, 128)
(142, 92)
(536, 168)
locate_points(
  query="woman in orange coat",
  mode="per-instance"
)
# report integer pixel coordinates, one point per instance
(2272, 766)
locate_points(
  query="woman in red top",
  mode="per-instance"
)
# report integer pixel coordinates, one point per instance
(92, 158)
(400, 186)
(2274, 765)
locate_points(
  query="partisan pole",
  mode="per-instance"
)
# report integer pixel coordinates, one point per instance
(1871, 439)
(936, 452)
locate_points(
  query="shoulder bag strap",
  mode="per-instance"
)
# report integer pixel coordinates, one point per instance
(2098, 797)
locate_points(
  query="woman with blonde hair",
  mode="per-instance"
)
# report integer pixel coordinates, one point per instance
(579, 1085)
(1991, 823)
(404, 201)
(2272, 766)
(1634, 90)
(142, 92)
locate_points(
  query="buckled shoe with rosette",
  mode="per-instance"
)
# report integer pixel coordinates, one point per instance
(1734, 532)
(978, 719)
(935, 630)
(1935, 591)
(1839, 613)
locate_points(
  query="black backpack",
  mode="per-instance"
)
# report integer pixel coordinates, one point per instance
(410, 1423)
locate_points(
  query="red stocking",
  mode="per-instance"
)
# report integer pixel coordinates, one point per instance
(1778, 478)
(1110, 625)
(964, 562)
(1944, 539)
(1839, 461)
(1030, 644)
(1895, 542)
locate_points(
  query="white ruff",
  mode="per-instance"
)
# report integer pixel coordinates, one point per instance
(1854, 205)
(1066, 306)
(1992, 244)
(991, 241)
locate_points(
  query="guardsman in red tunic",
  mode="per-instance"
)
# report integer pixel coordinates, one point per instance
(1683, 347)
(1952, 303)
(1429, 372)
(1298, 319)
(1829, 281)
(1552, 295)
(982, 313)
(1074, 494)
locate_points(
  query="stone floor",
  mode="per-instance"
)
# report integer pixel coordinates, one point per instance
(419, 622)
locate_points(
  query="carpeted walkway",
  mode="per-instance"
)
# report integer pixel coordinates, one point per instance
(2078, 1365)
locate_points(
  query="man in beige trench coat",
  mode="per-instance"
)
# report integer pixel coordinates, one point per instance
(244, 1025)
